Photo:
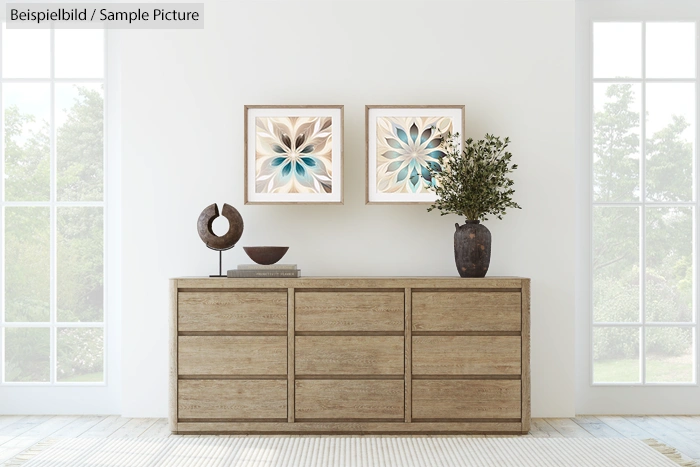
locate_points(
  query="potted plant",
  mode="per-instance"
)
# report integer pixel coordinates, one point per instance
(473, 182)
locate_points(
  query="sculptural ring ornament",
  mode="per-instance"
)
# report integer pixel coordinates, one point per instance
(226, 241)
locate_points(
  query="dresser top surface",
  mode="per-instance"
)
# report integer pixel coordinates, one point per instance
(353, 282)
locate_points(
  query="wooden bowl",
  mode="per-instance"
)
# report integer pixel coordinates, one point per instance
(265, 254)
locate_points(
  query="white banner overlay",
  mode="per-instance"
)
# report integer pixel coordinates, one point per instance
(105, 15)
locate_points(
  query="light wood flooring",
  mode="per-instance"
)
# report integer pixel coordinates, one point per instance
(18, 433)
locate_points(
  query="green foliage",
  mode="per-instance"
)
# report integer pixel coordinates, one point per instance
(80, 149)
(615, 146)
(669, 165)
(614, 343)
(79, 240)
(80, 352)
(80, 264)
(474, 182)
(27, 264)
(27, 354)
(27, 151)
(668, 276)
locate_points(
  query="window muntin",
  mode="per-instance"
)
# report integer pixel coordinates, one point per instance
(644, 203)
(52, 312)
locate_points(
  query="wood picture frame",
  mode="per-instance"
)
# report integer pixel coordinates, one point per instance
(392, 174)
(293, 154)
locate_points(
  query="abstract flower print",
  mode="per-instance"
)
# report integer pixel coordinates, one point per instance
(406, 146)
(293, 154)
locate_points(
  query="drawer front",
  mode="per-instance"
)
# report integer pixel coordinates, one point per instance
(466, 311)
(349, 355)
(232, 355)
(451, 399)
(232, 311)
(240, 399)
(466, 355)
(349, 399)
(349, 311)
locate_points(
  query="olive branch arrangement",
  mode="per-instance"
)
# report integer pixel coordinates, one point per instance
(474, 182)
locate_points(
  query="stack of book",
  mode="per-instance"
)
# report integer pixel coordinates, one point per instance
(261, 270)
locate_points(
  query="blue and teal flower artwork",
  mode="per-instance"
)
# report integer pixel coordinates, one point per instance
(293, 155)
(406, 148)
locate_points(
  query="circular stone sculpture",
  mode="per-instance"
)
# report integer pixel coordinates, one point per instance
(229, 239)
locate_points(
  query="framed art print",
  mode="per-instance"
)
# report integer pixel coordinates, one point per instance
(293, 154)
(401, 143)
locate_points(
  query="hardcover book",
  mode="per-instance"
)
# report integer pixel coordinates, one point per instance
(266, 266)
(264, 273)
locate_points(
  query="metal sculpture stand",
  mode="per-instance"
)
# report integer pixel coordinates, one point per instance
(221, 274)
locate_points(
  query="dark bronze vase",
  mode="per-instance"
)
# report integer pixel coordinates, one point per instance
(472, 249)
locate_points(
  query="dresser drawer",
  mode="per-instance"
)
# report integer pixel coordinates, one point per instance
(349, 311)
(451, 399)
(239, 399)
(349, 399)
(466, 355)
(466, 311)
(349, 355)
(232, 311)
(232, 355)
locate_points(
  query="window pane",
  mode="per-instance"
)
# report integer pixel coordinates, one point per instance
(670, 50)
(670, 140)
(669, 354)
(26, 53)
(615, 264)
(79, 270)
(616, 136)
(80, 355)
(27, 355)
(79, 53)
(617, 50)
(27, 264)
(27, 146)
(79, 142)
(669, 264)
(616, 355)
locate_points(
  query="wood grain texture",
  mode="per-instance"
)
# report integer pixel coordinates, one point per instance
(350, 283)
(172, 377)
(407, 364)
(232, 399)
(349, 311)
(351, 355)
(454, 399)
(109, 425)
(525, 371)
(350, 427)
(475, 355)
(466, 311)
(347, 355)
(291, 316)
(232, 311)
(349, 399)
(232, 355)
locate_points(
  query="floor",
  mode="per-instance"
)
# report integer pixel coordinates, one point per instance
(18, 433)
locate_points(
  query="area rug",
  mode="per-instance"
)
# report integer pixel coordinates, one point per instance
(365, 451)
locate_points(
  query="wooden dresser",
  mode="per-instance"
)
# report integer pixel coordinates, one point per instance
(350, 355)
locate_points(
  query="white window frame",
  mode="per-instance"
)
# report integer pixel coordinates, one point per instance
(642, 204)
(76, 397)
(642, 397)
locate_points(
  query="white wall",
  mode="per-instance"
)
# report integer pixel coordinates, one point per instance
(510, 63)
